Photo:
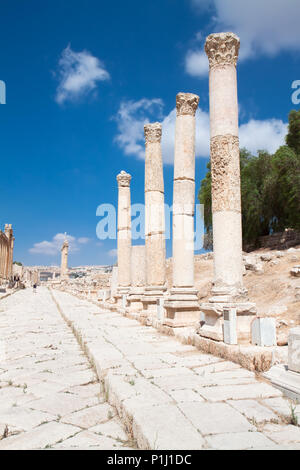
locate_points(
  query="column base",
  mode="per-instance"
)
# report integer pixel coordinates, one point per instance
(149, 300)
(122, 291)
(212, 319)
(134, 299)
(182, 308)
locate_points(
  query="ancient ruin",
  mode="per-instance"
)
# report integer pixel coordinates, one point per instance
(191, 352)
(228, 291)
(64, 260)
(124, 235)
(154, 220)
(182, 306)
(6, 254)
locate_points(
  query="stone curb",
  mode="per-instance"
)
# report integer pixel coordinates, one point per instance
(118, 392)
(253, 358)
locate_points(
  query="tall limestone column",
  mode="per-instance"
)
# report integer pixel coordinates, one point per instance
(154, 219)
(64, 260)
(138, 277)
(222, 50)
(182, 307)
(2, 256)
(124, 234)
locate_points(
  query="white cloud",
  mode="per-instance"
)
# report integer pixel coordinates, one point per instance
(196, 63)
(265, 27)
(131, 118)
(133, 115)
(263, 135)
(255, 135)
(79, 73)
(53, 247)
(113, 253)
(83, 240)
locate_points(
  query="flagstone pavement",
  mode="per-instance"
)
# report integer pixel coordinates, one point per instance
(154, 392)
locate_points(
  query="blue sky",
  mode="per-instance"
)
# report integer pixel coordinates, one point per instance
(83, 77)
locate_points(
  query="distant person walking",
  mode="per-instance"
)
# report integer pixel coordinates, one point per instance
(34, 288)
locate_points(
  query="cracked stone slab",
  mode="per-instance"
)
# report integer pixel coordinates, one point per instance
(165, 427)
(287, 434)
(25, 419)
(239, 441)
(237, 392)
(90, 417)
(61, 404)
(253, 410)
(215, 418)
(112, 429)
(87, 440)
(40, 437)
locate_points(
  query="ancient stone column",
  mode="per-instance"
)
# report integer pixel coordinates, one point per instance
(114, 282)
(222, 50)
(64, 260)
(124, 234)
(9, 251)
(182, 307)
(154, 218)
(138, 277)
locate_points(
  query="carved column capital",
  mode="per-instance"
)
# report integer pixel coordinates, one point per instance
(65, 245)
(222, 49)
(124, 179)
(153, 132)
(186, 103)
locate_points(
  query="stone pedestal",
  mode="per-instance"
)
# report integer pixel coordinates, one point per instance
(294, 350)
(264, 331)
(228, 290)
(155, 221)
(113, 284)
(182, 307)
(124, 236)
(138, 278)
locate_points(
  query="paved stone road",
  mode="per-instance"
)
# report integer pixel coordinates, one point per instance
(49, 394)
(172, 396)
(169, 395)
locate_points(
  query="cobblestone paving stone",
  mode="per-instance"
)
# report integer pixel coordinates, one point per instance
(172, 396)
(50, 396)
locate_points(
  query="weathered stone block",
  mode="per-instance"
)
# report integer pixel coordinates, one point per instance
(263, 332)
(294, 350)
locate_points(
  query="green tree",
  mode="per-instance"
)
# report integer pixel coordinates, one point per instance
(270, 188)
(286, 175)
(293, 137)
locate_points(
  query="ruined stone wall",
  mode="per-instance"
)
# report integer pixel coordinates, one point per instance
(280, 240)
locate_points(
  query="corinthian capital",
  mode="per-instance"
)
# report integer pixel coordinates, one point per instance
(152, 132)
(124, 179)
(186, 103)
(65, 245)
(222, 49)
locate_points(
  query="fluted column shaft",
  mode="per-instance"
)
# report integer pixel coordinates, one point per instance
(124, 231)
(154, 209)
(222, 51)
